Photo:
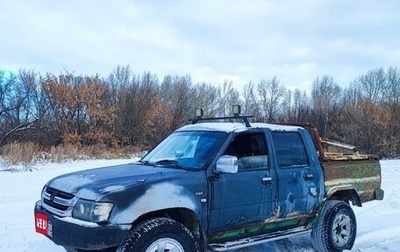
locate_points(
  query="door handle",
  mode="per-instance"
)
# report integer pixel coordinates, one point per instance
(265, 180)
(308, 176)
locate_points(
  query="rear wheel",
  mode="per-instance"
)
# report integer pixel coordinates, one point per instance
(336, 229)
(159, 235)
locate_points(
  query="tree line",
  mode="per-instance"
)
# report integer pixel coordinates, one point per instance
(130, 109)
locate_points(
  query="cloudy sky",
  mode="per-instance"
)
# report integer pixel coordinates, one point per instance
(213, 41)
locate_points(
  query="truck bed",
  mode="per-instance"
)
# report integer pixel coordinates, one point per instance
(362, 172)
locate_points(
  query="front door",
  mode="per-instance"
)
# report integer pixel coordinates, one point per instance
(244, 199)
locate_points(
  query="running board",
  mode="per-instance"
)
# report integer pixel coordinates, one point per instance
(255, 240)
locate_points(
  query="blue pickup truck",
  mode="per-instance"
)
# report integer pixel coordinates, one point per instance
(214, 186)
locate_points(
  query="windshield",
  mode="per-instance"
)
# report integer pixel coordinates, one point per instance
(185, 149)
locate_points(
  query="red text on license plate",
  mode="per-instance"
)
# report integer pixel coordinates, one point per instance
(41, 223)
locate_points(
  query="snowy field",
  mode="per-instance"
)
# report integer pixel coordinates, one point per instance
(378, 221)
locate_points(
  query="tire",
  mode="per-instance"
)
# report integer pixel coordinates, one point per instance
(154, 234)
(336, 229)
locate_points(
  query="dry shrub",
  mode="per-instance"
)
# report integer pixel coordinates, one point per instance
(27, 154)
(129, 152)
(71, 139)
(65, 152)
(104, 152)
(21, 153)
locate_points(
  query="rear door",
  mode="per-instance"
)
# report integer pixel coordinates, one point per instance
(298, 178)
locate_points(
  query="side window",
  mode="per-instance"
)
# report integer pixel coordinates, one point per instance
(290, 150)
(251, 151)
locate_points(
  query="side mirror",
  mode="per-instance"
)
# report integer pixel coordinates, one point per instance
(227, 164)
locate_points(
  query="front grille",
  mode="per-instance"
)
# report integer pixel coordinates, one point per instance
(55, 205)
(58, 202)
(59, 193)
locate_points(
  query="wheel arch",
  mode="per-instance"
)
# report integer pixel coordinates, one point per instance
(344, 193)
(159, 232)
(185, 216)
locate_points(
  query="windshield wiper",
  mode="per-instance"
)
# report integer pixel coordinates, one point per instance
(171, 162)
(145, 162)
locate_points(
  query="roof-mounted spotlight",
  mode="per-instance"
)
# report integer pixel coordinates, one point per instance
(236, 110)
(199, 112)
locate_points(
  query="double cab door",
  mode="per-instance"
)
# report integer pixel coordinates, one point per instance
(273, 184)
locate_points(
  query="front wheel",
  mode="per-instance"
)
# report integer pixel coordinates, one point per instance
(159, 234)
(336, 229)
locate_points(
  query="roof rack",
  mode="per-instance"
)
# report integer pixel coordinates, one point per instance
(236, 115)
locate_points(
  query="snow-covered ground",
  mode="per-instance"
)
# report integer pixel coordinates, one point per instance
(378, 221)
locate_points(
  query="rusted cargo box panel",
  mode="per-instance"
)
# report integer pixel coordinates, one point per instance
(362, 174)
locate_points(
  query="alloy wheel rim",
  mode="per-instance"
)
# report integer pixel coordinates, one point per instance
(165, 245)
(341, 230)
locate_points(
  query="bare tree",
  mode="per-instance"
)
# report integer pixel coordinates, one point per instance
(19, 109)
(228, 96)
(366, 118)
(270, 94)
(301, 106)
(392, 100)
(372, 85)
(250, 104)
(176, 95)
(287, 107)
(6, 85)
(205, 96)
(135, 103)
(121, 77)
(325, 97)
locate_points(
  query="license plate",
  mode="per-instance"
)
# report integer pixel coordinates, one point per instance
(41, 223)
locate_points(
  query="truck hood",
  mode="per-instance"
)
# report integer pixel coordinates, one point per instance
(93, 183)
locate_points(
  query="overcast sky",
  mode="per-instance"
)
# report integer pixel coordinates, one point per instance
(242, 41)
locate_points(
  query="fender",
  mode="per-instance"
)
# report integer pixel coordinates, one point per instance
(344, 192)
(160, 196)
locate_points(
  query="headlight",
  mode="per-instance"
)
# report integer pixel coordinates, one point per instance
(92, 211)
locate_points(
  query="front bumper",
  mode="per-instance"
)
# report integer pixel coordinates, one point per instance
(71, 233)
